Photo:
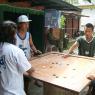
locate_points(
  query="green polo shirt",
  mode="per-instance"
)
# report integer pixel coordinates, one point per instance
(86, 48)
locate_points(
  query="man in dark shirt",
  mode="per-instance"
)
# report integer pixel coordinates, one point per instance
(86, 47)
(85, 44)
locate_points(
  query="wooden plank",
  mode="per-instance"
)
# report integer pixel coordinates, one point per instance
(68, 73)
(50, 89)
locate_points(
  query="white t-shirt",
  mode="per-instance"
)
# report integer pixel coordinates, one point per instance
(24, 44)
(13, 64)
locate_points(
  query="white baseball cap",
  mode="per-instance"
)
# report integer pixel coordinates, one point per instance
(23, 18)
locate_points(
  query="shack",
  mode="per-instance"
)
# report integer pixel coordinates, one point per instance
(35, 9)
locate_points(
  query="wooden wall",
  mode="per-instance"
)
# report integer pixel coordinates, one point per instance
(72, 25)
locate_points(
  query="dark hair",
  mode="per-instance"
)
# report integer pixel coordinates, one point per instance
(7, 32)
(89, 25)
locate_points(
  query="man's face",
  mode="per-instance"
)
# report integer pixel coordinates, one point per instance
(88, 32)
(24, 26)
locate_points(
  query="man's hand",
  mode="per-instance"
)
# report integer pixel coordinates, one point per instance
(65, 55)
(38, 52)
(91, 77)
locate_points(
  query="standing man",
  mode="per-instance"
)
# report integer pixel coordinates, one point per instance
(13, 63)
(24, 38)
(24, 41)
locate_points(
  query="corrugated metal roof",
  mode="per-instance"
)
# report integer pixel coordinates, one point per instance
(51, 4)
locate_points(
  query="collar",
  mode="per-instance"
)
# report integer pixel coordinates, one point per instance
(88, 41)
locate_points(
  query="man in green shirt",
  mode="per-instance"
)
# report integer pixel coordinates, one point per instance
(85, 44)
(86, 47)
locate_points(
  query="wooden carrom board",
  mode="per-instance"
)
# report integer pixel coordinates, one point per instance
(64, 73)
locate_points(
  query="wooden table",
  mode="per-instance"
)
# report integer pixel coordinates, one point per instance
(62, 76)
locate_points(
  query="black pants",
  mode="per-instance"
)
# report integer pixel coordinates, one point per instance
(91, 90)
(27, 81)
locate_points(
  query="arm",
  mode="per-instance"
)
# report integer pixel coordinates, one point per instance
(72, 48)
(29, 72)
(24, 66)
(91, 77)
(32, 44)
(36, 52)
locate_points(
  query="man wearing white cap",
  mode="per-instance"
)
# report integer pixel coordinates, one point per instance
(24, 41)
(24, 38)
